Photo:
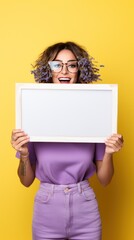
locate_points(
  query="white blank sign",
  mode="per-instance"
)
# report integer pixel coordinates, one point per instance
(66, 112)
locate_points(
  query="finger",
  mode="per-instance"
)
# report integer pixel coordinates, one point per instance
(21, 139)
(119, 136)
(19, 146)
(115, 139)
(16, 131)
(113, 144)
(18, 135)
(114, 147)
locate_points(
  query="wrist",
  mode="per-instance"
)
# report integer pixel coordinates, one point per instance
(108, 156)
(24, 156)
(108, 153)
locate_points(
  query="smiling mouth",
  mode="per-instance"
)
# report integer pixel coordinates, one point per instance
(64, 80)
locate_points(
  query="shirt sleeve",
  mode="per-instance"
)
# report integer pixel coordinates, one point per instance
(99, 151)
(32, 154)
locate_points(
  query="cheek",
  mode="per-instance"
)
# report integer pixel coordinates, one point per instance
(54, 77)
(75, 78)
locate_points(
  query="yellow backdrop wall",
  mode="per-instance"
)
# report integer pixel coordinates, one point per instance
(105, 28)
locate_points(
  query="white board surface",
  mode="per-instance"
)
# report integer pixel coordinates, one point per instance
(67, 112)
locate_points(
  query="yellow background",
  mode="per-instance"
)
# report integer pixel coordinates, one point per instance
(105, 28)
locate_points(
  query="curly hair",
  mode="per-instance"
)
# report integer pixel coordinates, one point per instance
(88, 72)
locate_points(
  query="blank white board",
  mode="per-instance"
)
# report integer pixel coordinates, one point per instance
(67, 112)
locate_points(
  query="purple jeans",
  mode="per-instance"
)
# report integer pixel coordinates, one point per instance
(66, 212)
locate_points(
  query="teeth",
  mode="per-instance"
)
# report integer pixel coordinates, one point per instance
(64, 79)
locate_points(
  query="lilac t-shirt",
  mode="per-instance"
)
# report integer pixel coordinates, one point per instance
(64, 163)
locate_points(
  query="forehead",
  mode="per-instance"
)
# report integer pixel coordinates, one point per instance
(65, 55)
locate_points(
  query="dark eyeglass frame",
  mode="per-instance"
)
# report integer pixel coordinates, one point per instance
(62, 64)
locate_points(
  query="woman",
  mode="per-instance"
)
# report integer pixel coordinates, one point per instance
(65, 205)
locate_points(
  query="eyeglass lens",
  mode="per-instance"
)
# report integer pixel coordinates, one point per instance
(57, 66)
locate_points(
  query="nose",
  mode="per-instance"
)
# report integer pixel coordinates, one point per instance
(64, 69)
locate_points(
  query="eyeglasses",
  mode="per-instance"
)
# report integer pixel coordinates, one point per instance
(57, 66)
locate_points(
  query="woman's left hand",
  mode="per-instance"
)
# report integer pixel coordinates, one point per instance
(114, 143)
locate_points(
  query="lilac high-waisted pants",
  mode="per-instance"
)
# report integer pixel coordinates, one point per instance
(66, 212)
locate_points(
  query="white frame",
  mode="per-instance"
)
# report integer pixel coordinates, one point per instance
(80, 88)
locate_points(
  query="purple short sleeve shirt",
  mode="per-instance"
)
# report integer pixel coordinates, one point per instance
(65, 163)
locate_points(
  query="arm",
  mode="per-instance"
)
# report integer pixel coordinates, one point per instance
(26, 171)
(105, 168)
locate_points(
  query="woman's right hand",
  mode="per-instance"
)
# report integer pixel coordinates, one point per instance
(19, 140)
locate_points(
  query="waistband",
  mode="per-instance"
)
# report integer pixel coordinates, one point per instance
(80, 186)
